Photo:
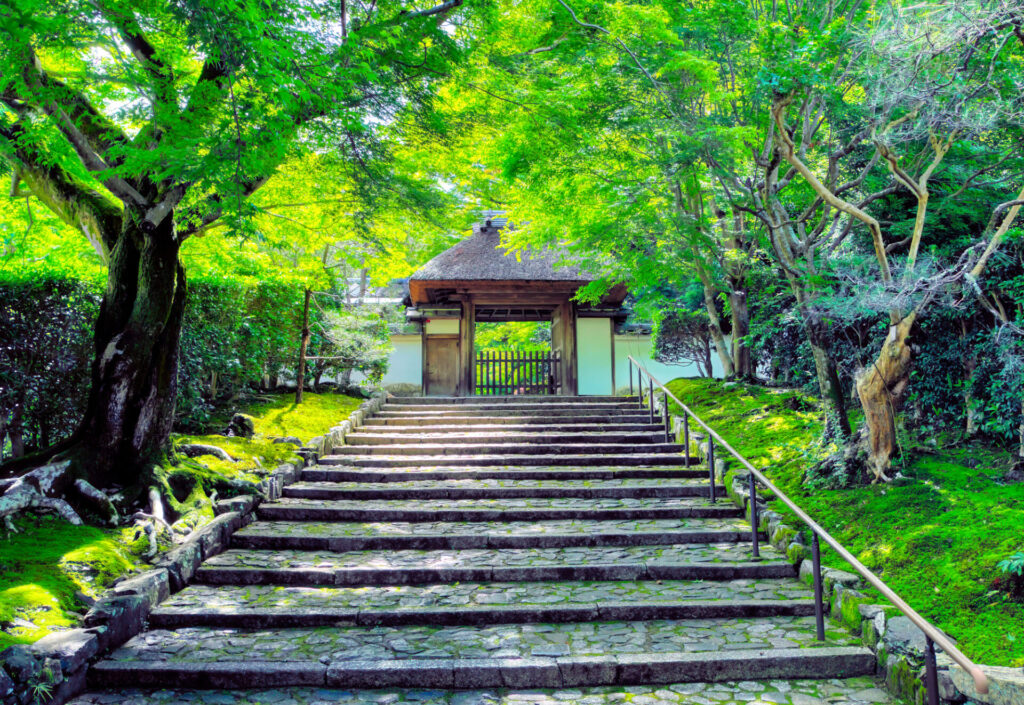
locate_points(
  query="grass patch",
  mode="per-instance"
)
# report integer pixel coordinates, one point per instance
(935, 541)
(44, 568)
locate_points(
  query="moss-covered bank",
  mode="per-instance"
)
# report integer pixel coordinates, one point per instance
(50, 571)
(935, 540)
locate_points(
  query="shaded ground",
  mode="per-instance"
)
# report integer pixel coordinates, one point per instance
(935, 540)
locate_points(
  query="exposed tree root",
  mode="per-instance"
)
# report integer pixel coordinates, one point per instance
(193, 450)
(40, 490)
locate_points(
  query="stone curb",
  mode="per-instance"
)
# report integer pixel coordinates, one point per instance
(61, 660)
(897, 644)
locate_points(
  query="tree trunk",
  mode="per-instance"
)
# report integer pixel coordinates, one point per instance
(881, 388)
(130, 410)
(300, 378)
(837, 422)
(16, 431)
(1020, 429)
(715, 325)
(740, 329)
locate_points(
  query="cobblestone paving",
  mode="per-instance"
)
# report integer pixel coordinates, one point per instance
(345, 643)
(484, 594)
(680, 503)
(588, 555)
(499, 528)
(852, 691)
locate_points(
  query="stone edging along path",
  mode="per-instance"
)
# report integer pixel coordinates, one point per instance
(61, 660)
(898, 644)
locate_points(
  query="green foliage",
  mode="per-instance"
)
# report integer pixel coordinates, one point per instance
(1013, 565)
(934, 540)
(532, 336)
(45, 351)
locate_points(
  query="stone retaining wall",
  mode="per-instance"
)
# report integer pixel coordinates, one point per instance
(897, 643)
(53, 669)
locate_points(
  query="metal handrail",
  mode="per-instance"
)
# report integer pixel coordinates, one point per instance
(932, 633)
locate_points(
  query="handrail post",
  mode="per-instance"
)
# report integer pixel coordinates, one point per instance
(819, 607)
(629, 366)
(639, 389)
(711, 468)
(664, 415)
(756, 550)
(686, 439)
(931, 675)
(651, 392)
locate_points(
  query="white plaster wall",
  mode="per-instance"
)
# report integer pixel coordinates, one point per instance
(640, 347)
(594, 355)
(442, 326)
(405, 362)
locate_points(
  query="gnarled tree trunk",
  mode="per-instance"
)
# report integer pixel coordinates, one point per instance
(880, 388)
(135, 371)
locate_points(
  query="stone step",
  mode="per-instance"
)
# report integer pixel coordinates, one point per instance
(861, 690)
(716, 561)
(501, 489)
(387, 426)
(586, 420)
(598, 436)
(509, 459)
(517, 655)
(509, 399)
(405, 472)
(343, 536)
(511, 405)
(581, 415)
(494, 510)
(499, 447)
(270, 606)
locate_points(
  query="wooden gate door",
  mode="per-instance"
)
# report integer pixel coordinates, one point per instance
(442, 366)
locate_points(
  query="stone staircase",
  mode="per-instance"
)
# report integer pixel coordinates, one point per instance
(495, 546)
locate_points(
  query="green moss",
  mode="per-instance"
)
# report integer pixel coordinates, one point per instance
(796, 552)
(935, 541)
(43, 567)
(278, 415)
(274, 417)
(849, 610)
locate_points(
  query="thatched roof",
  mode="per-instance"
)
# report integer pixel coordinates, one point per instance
(481, 258)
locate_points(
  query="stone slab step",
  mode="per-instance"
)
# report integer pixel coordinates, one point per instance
(493, 510)
(404, 473)
(372, 425)
(517, 655)
(276, 607)
(596, 435)
(498, 447)
(512, 405)
(589, 420)
(716, 562)
(510, 459)
(510, 399)
(343, 536)
(501, 489)
(848, 691)
(620, 414)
